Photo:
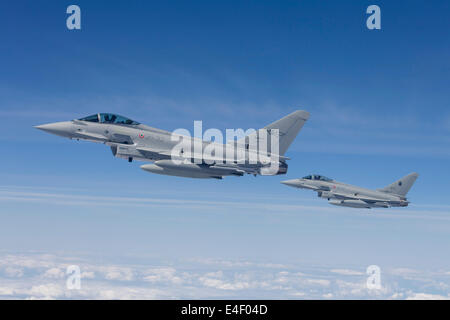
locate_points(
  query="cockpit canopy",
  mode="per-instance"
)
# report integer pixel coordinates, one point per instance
(317, 177)
(109, 118)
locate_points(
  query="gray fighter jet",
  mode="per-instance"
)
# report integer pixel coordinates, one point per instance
(345, 195)
(177, 155)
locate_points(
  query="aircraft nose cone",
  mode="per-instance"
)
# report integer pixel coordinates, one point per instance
(44, 127)
(58, 128)
(291, 183)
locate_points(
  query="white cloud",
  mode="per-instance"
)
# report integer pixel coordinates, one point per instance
(347, 272)
(14, 272)
(46, 291)
(129, 293)
(118, 273)
(427, 296)
(56, 273)
(402, 271)
(321, 282)
(87, 275)
(6, 291)
(216, 274)
(397, 295)
(224, 285)
(162, 274)
(298, 294)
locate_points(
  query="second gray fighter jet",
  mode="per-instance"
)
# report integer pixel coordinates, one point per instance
(346, 195)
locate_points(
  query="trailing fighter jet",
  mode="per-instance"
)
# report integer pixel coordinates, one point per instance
(185, 156)
(345, 195)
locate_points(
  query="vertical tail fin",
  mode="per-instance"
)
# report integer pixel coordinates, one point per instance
(288, 128)
(402, 186)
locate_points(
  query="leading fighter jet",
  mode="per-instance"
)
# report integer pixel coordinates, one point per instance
(176, 155)
(346, 195)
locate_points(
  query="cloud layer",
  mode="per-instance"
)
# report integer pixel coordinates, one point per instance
(43, 276)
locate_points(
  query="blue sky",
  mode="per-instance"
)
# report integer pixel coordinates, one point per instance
(379, 105)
